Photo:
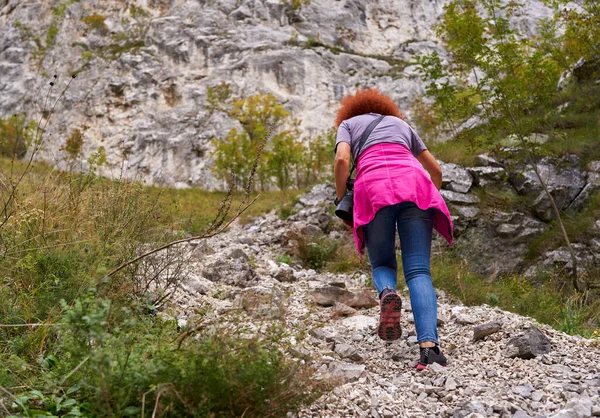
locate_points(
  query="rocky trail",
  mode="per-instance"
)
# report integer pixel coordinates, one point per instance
(500, 364)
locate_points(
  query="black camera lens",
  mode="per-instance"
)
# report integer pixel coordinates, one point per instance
(345, 209)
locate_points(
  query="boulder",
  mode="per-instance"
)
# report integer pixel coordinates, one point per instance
(455, 178)
(484, 176)
(530, 344)
(486, 161)
(592, 186)
(561, 257)
(594, 166)
(459, 198)
(563, 180)
(501, 240)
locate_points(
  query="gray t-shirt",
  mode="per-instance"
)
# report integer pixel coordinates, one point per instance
(391, 130)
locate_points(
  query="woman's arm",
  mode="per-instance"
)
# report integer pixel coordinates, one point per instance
(341, 168)
(428, 162)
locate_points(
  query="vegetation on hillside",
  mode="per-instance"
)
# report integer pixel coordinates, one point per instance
(499, 82)
(76, 343)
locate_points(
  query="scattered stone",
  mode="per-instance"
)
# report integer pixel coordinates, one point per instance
(261, 301)
(521, 414)
(346, 372)
(319, 194)
(329, 295)
(358, 323)
(465, 319)
(576, 408)
(199, 284)
(347, 351)
(340, 309)
(300, 352)
(483, 330)
(327, 333)
(285, 274)
(470, 407)
(230, 271)
(437, 368)
(537, 396)
(523, 390)
(450, 384)
(530, 344)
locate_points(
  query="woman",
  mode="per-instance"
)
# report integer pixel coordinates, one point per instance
(397, 186)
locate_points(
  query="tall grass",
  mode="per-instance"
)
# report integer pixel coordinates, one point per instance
(547, 298)
(75, 343)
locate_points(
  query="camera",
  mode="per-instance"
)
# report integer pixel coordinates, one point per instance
(345, 209)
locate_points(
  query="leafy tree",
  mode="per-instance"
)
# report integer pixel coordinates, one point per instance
(284, 155)
(316, 164)
(496, 75)
(233, 156)
(264, 120)
(575, 29)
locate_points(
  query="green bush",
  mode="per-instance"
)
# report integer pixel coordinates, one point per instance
(15, 136)
(96, 22)
(115, 360)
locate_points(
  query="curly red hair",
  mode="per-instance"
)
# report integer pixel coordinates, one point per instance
(366, 101)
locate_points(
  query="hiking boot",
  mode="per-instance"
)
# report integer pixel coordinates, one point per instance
(388, 328)
(430, 355)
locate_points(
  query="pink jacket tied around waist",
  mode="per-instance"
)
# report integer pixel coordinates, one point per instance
(387, 174)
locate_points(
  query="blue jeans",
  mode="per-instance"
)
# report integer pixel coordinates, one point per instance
(415, 228)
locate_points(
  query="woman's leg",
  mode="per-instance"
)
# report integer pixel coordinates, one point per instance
(415, 228)
(380, 236)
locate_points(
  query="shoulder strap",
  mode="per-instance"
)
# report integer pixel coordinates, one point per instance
(363, 139)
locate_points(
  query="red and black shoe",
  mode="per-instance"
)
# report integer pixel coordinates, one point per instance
(388, 328)
(430, 355)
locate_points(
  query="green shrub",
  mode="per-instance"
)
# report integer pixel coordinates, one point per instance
(284, 258)
(115, 360)
(15, 136)
(96, 22)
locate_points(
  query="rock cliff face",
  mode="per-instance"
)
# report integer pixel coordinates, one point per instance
(144, 68)
(495, 238)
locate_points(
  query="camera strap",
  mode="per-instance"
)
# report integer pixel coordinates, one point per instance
(363, 139)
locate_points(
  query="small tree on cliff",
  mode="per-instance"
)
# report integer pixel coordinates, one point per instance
(285, 160)
(259, 115)
(495, 74)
